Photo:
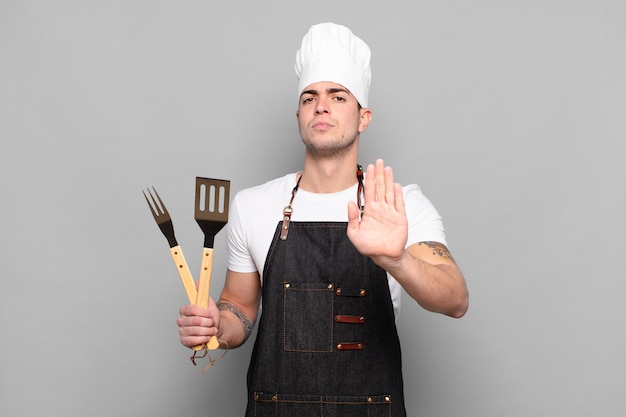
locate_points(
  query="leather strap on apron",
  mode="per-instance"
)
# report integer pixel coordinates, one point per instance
(288, 210)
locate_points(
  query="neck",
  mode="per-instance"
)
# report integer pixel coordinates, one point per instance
(328, 175)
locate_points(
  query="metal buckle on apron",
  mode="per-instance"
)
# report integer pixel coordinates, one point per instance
(287, 211)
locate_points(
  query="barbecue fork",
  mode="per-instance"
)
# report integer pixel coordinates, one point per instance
(163, 219)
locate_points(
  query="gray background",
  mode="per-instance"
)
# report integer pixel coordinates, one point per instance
(509, 115)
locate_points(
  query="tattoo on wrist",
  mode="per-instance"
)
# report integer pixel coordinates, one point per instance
(245, 322)
(439, 249)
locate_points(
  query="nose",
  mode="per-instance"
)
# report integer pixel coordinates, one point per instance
(321, 106)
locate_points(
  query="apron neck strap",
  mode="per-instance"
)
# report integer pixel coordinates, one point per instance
(288, 210)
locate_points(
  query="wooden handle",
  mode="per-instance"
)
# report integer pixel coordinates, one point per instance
(185, 273)
(204, 288)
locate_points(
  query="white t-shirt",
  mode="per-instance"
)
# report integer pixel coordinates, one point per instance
(255, 212)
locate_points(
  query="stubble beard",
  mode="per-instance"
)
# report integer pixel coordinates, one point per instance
(329, 148)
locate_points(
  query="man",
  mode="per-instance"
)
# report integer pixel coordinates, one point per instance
(327, 250)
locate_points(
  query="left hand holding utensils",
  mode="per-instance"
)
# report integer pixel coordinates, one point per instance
(211, 214)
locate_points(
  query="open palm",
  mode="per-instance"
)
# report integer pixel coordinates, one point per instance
(382, 229)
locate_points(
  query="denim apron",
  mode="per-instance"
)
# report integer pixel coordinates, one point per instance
(327, 343)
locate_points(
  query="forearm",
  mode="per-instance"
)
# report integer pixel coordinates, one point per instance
(437, 287)
(235, 327)
(238, 307)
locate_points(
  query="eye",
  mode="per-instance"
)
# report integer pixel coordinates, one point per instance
(340, 98)
(307, 100)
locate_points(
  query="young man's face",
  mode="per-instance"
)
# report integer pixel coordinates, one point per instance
(329, 118)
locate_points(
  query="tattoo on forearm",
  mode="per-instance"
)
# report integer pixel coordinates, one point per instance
(245, 322)
(439, 249)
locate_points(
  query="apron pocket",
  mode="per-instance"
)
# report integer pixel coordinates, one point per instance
(308, 317)
(290, 405)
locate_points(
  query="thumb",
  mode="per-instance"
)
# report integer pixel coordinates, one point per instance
(353, 215)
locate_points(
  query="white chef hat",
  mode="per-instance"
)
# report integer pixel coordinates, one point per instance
(331, 52)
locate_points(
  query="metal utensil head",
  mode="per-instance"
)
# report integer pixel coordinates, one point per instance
(211, 208)
(161, 216)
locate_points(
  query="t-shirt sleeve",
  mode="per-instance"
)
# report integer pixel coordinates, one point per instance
(425, 224)
(239, 256)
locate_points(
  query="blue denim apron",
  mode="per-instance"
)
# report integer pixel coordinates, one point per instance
(327, 343)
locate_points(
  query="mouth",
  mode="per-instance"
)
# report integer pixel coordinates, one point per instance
(321, 125)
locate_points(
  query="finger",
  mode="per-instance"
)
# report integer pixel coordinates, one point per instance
(399, 197)
(190, 331)
(186, 310)
(353, 214)
(188, 322)
(369, 191)
(191, 341)
(390, 196)
(194, 310)
(379, 179)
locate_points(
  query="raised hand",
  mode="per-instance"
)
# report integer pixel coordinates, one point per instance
(382, 229)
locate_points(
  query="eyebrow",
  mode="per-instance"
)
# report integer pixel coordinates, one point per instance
(331, 90)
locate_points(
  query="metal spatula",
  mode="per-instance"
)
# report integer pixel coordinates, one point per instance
(211, 213)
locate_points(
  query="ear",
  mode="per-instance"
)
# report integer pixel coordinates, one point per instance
(365, 119)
